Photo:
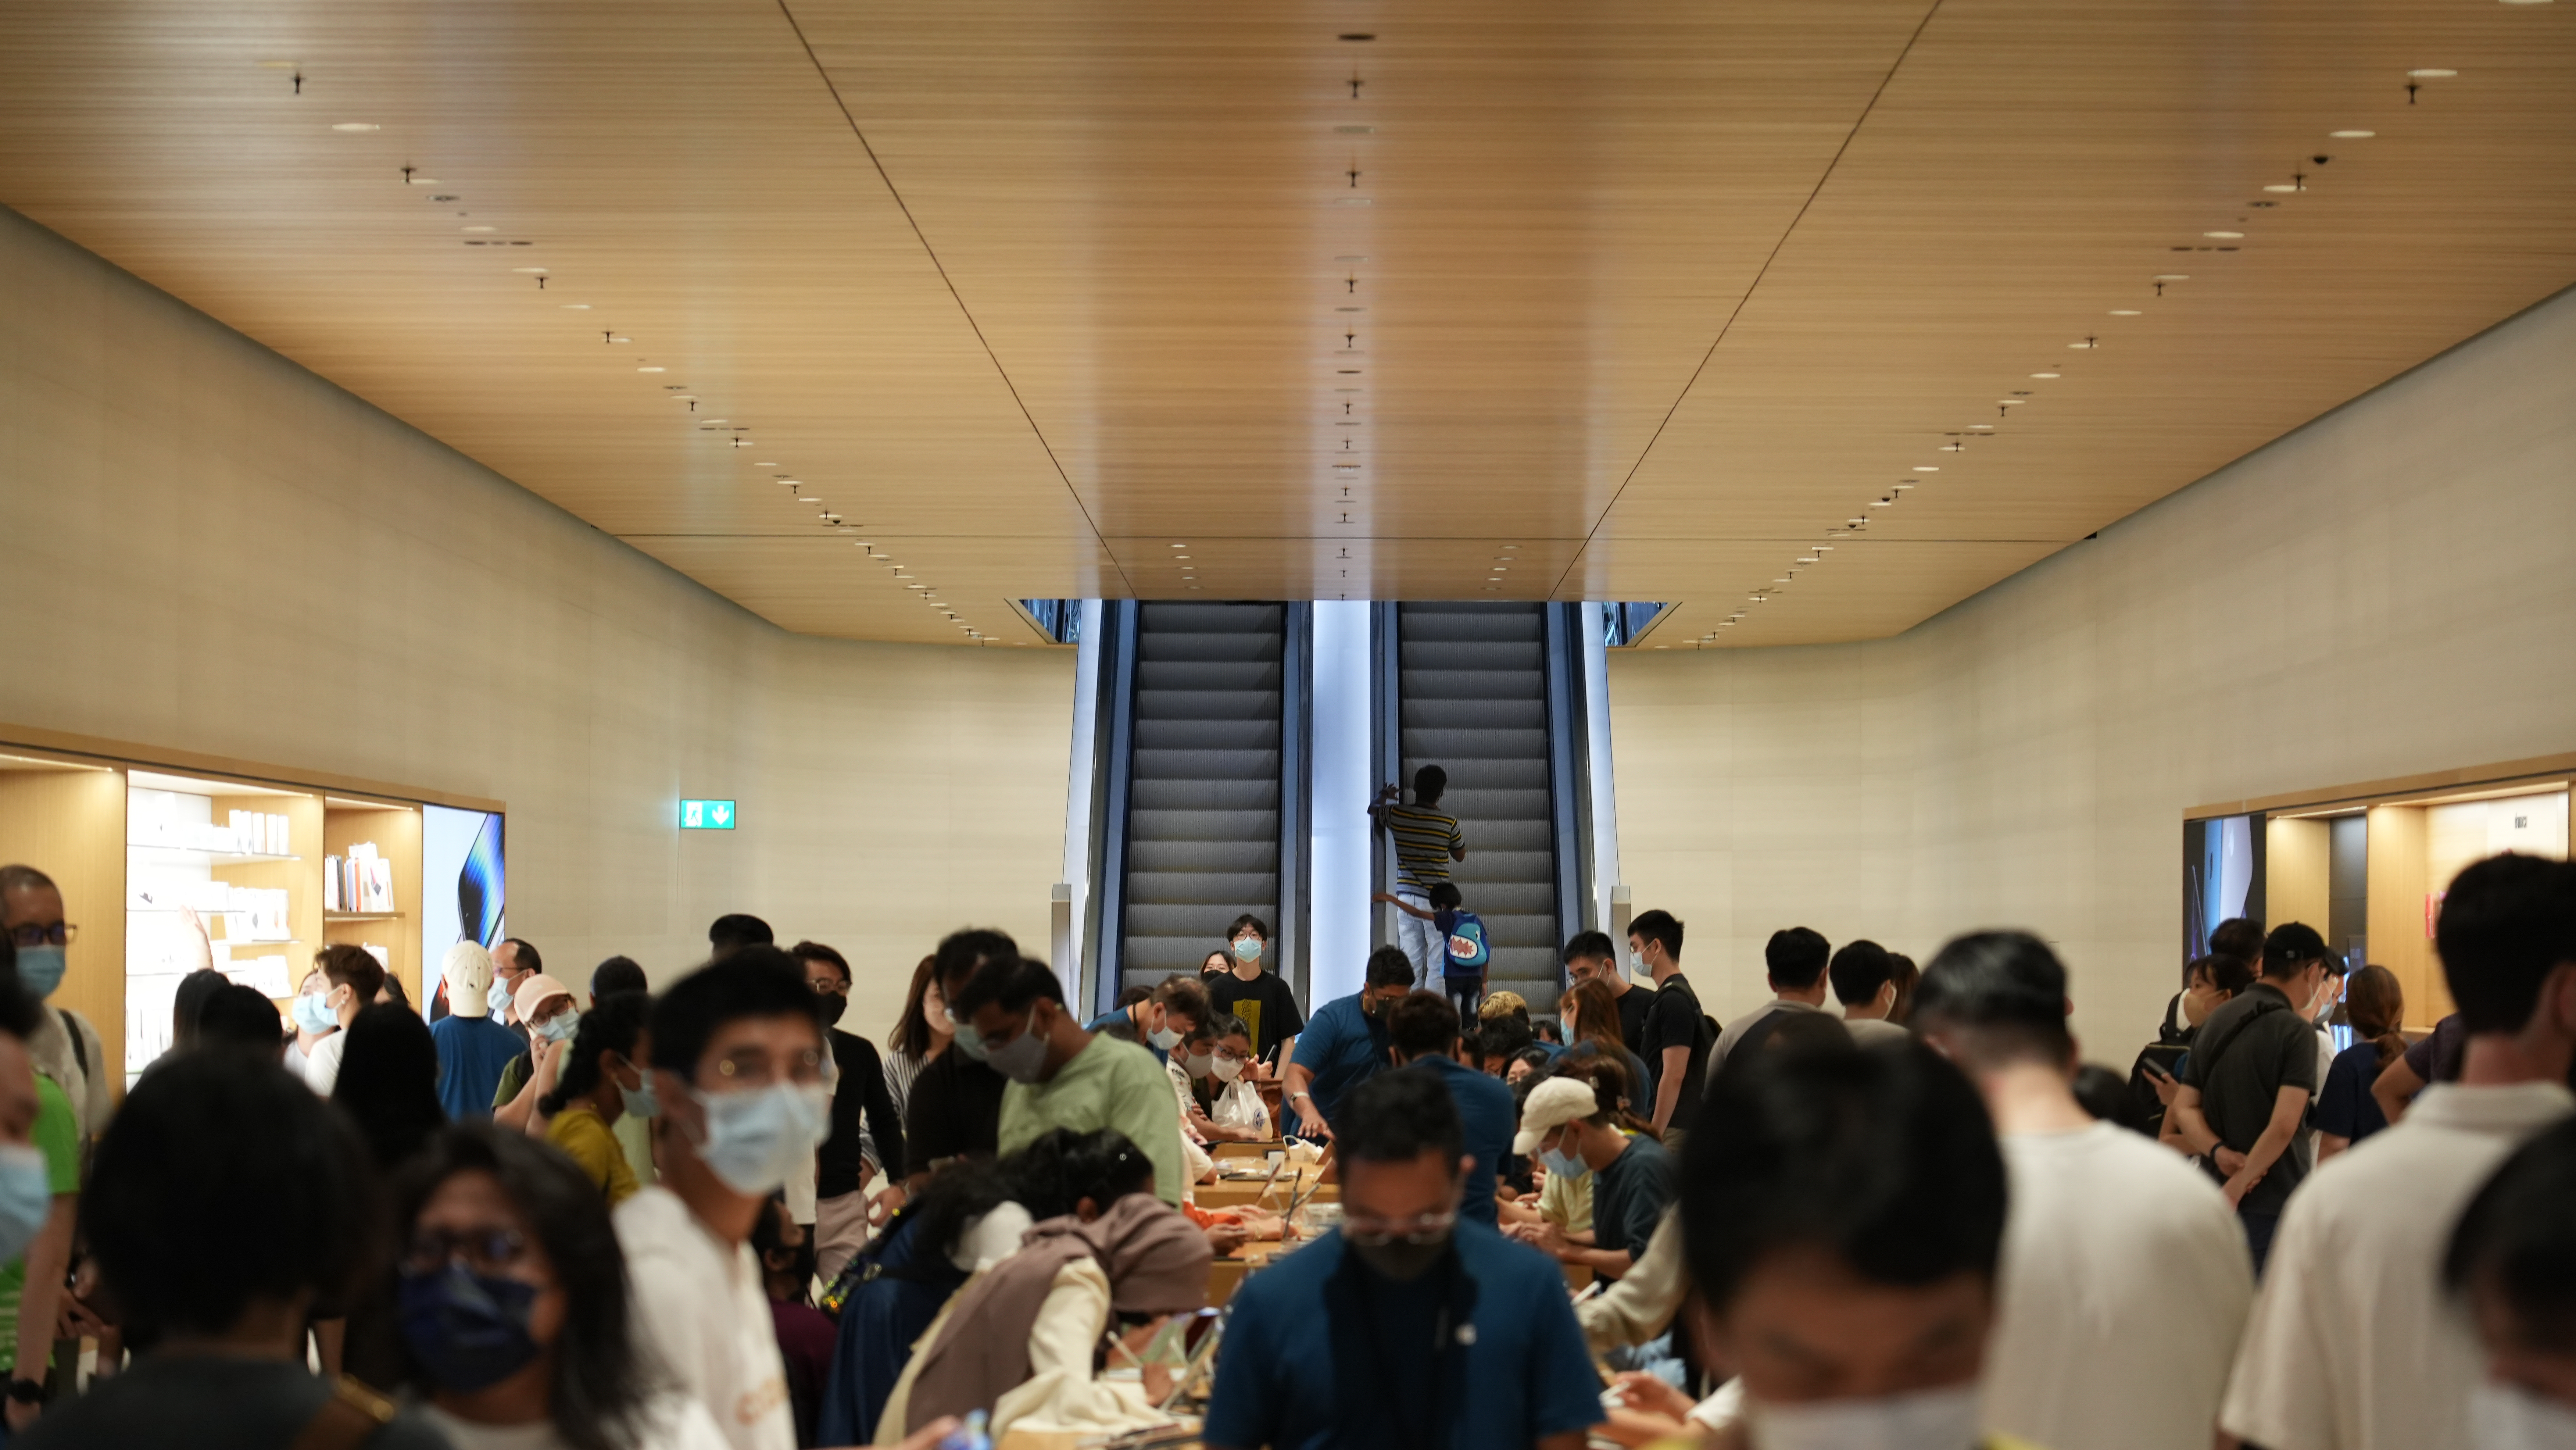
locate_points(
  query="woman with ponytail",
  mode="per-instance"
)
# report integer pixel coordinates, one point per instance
(603, 1076)
(2374, 1004)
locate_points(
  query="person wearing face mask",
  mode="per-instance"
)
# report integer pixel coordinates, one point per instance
(2245, 1088)
(1345, 1045)
(1171, 1011)
(546, 1006)
(1064, 1076)
(473, 1050)
(740, 1073)
(952, 1107)
(40, 1164)
(2511, 1265)
(2209, 983)
(515, 1324)
(602, 1078)
(1257, 995)
(1224, 1105)
(312, 1021)
(866, 1143)
(1404, 1325)
(513, 962)
(67, 1049)
(2353, 1342)
(351, 977)
(1843, 1214)
(1565, 1126)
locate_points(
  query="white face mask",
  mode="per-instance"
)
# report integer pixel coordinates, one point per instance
(2509, 1417)
(1943, 1419)
(1227, 1069)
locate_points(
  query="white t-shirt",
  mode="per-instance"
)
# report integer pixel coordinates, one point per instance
(322, 1068)
(2125, 1281)
(700, 1311)
(674, 1422)
(2353, 1345)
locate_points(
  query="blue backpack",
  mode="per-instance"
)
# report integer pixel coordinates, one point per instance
(1468, 953)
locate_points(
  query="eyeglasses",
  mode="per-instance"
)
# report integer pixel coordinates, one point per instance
(36, 934)
(1377, 1233)
(483, 1250)
(753, 1067)
(830, 986)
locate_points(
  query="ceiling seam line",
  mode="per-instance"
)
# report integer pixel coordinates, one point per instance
(1750, 288)
(927, 250)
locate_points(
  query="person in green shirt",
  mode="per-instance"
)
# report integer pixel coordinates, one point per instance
(56, 1134)
(1063, 1076)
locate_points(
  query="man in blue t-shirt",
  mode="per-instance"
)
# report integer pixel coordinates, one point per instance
(473, 1050)
(1344, 1043)
(1422, 1034)
(1405, 1326)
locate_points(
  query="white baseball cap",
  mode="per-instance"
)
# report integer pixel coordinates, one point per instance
(1551, 1105)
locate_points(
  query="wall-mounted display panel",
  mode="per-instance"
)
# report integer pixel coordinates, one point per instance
(462, 891)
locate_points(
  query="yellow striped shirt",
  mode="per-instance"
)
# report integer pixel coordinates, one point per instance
(1423, 841)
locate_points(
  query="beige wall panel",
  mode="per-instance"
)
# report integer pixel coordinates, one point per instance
(2296, 884)
(2383, 592)
(215, 551)
(2397, 912)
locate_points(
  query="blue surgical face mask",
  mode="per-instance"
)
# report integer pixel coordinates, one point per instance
(469, 1331)
(558, 1028)
(26, 1197)
(312, 1016)
(1565, 1165)
(969, 1041)
(642, 1101)
(40, 969)
(497, 999)
(755, 1140)
(1023, 1057)
(1247, 949)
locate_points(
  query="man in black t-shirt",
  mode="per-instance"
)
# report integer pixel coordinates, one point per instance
(2248, 1082)
(1261, 998)
(1589, 957)
(1676, 1032)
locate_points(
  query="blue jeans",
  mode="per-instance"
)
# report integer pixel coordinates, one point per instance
(1467, 994)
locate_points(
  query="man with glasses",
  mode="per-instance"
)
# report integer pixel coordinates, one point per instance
(1403, 1326)
(744, 1086)
(67, 1049)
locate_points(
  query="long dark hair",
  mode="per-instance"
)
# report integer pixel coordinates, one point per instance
(2375, 1003)
(612, 1026)
(600, 1384)
(912, 1029)
(388, 1082)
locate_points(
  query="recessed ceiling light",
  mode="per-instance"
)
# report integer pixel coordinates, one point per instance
(530, 271)
(1981, 428)
(474, 229)
(275, 64)
(807, 498)
(2173, 276)
(352, 125)
(2011, 402)
(2283, 186)
(1807, 559)
(2080, 345)
(764, 465)
(2126, 312)
(2432, 74)
(1924, 468)
(2352, 135)
(2048, 375)
(425, 181)
(2224, 236)
(614, 338)
(1180, 546)
(652, 370)
(576, 307)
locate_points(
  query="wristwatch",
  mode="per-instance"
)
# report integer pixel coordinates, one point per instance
(27, 1392)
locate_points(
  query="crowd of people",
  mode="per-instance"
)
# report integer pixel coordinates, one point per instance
(1889, 1207)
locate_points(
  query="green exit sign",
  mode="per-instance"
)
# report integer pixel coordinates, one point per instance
(706, 815)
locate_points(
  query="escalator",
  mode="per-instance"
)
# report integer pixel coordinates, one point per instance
(1205, 785)
(1473, 696)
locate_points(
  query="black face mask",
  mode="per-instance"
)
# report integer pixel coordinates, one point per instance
(1403, 1262)
(1372, 1006)
(833, 1005)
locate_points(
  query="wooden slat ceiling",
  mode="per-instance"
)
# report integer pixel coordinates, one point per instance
(1504, 300)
